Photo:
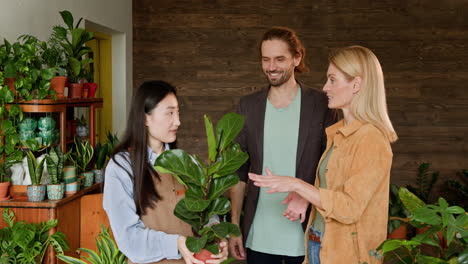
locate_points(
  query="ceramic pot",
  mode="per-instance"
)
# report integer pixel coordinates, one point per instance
(98, 176)
(72, 188)
(25, 135)
(46, 123)
(69, 174)
(10, 81)
(28, 124)
(88, 178)
(55, 191)
(75, 90)
(36, 193)
(46, 135)
(92, 87)
(82, 131)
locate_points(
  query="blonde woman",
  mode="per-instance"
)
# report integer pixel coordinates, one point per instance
(350, 195)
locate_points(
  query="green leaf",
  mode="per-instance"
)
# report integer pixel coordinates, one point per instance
(221, 185)
(409, 200)
(422, 259)
(227, 129)
(70, 260)
(455, 210)
(195, 244)
(391, 245)
(211, 139)
(223, 229)
(191, 218)
(196, 205)
(220, 206)
(178, 162)
(231, 160)
(75, 66)
(426, 215)
(213, 248)
(67, 18)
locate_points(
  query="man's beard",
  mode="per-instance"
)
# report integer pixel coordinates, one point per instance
(284, 77)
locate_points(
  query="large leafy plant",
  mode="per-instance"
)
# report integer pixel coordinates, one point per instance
(9, 118)
(206, 183)
(27, 243)
(73, 38)
(447, 234)
(24, 62)
(108, 252)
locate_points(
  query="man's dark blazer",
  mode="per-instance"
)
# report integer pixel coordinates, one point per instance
(314, 118)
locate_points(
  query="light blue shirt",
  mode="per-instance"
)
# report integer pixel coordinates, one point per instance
(139, 243)
(271, 232)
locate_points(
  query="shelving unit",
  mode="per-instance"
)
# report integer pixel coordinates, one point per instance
(60, 106)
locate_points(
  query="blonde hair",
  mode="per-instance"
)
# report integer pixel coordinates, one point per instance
(369, 104)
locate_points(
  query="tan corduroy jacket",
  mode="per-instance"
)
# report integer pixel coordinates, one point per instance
(355, 202)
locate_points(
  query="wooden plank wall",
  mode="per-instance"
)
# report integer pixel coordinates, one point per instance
(208, 49)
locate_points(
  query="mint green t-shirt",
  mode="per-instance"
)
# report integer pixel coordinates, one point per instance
(271, 232)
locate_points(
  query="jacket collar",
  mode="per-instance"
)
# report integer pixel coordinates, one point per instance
(345, 130)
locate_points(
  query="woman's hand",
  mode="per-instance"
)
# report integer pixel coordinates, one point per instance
(223, 253)
(185, 252)
(275, 182)
(297, 207)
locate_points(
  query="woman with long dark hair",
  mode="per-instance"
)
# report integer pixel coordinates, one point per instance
(139, 201)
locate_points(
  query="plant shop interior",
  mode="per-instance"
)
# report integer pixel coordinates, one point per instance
(69, 70)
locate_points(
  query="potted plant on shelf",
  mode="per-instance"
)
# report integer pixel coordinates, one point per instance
(9, 137)
(53, 55)
(398, 215)
(73, 40)
(82, 129)
(81, 157)
(55, 160)
(24, 242)
(36, 191)
(108, 252)
(206, 183)
(32, 80)
(101, 154)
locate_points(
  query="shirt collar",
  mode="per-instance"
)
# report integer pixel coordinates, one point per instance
(153, 156)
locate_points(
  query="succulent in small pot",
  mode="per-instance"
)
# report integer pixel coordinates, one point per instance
(206, 183)
(36, 191)
(55, 160)
(82, 155)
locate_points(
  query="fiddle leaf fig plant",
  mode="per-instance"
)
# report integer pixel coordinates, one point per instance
(206, 183)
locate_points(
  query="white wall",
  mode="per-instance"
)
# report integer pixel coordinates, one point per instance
(114, 17)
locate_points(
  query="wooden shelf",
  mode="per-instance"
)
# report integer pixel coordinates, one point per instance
(60, 106)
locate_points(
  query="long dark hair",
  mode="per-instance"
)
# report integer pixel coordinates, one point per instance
(135, 142)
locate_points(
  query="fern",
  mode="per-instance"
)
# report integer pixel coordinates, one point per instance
(424, 184)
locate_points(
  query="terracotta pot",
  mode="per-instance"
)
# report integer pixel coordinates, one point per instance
(4, 190)
(75, 90)
(58, 85)
(399, 233)
(19, 192)
(203, 255)
(92, 87)
(11, 83)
